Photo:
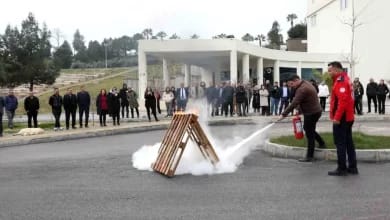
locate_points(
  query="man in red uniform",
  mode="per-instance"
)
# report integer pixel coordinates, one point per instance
(342, 115)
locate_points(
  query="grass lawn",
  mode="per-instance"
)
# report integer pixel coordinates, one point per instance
(20, 125)
(361, 140)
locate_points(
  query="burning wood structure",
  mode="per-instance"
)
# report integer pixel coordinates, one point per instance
(182, 128)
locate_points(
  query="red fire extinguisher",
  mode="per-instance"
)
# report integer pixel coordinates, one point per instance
(298, 128)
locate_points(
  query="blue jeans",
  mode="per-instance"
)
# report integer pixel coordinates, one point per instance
(274, 106)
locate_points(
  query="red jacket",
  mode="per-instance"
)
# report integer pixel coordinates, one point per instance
(342, 101)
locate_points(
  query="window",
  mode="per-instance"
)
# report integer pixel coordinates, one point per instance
(343, 4)
(313, 20)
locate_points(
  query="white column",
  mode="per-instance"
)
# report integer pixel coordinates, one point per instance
(142, 73)
(299, 69)
(260, 70)
(276, 71)
(187, 75)
(165, 73)
(233, 66)
(245, 68)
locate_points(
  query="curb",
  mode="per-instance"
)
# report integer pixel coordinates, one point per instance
(65, 136)
(283, 151)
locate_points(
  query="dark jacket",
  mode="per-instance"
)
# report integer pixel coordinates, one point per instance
(123, 96)
(55, 101)
(132, 98)
(11, 103)
(240, 94)
(228, 93)
(114, 103)
(210, 92)
(256, 99)
(178, 93)
(2, 104)
(150, 100)
(372, 89)
(83, 100)
(306, 98)
(275, 92)
(382, 89)
(70, 102)
(31, 104)
(281, 93)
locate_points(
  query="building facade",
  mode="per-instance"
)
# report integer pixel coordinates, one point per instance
(329, 31)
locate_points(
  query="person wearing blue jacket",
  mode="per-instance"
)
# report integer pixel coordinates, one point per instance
(11, 104)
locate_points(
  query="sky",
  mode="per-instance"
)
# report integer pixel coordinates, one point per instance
(98, 19)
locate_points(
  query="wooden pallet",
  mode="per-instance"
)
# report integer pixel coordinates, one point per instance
(182, 128)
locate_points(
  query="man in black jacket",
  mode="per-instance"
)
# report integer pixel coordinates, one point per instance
(70, 106)
(2, 104)
(382, 92)
(31, 106)
(124, 101)
(227, 94)
(83, 101)
(371, 91)
(55, 101)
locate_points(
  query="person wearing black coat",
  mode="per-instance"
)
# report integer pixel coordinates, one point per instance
(31, 106)
(227, 95)
(55, 101)
(150, 103)
(371, 92)
(2, 104)
(382, 92)
(114, 106)
(256, 101)
(284, 97)
(70, 106)
(102, 106)
(124, 100)
(83, 101)
(240, 99)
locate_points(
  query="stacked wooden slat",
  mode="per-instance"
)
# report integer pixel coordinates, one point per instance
(182, 128)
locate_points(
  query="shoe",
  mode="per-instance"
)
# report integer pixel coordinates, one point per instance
(306, 159)
(74, 127)
(353, 171)
(337, 172)
(86, 126)
(81, 126)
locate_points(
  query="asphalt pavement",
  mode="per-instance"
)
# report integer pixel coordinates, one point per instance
(93, 178)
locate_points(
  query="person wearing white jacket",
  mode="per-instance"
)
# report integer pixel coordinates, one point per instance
(168, 97)
(323, 93)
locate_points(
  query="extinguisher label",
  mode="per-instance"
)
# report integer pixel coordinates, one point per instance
(298, 126)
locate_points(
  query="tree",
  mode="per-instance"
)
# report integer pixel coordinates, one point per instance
(27, 54)
(63, 56)
(194, 36)
(298, 31)
(147, 33)
(174, 36)
(260, 38)
(135, 38)
(354, 23)
(274, 37)
(161, 35)
(247, 37)
(95, 51)
(291, 18)
(79, 47)
(58, 36)
(220, 36)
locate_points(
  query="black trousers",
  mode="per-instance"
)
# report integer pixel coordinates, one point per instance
(125, 106)
(132, 112)
(283, 104)
(115, 117)
(342, 137)
(228, 105)
(102, 117)
(153, 110)
(323, 103)
(57, 116)
(68, 113)
(309, 125)
(32, 115)
(82, 111)
(381, 103)
(373, 98)
(358, 105)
